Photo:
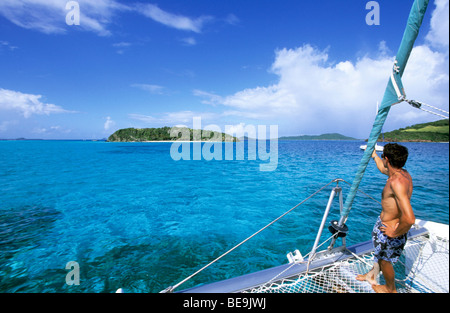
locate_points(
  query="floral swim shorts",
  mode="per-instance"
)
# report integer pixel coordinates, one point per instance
(388, 249)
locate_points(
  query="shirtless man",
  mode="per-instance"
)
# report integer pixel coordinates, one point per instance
(389, 234)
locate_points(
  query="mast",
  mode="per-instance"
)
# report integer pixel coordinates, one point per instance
(394, 94)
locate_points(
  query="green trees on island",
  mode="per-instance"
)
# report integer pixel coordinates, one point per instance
(427, 132)
(167, 134)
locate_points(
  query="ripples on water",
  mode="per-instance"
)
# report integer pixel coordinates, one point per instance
(134, 218)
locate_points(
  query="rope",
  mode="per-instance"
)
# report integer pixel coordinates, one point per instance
(431, 112)
(363, 193)
(172, 288)
(418, 105)
(435, 108)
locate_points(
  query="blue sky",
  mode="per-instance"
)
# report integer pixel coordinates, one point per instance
(310, 67)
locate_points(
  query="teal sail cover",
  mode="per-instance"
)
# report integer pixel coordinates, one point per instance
(394, 94)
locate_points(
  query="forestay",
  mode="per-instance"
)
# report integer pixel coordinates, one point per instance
(394, 94)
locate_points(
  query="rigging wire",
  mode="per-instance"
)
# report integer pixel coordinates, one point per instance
(170, 289)
(418, 105)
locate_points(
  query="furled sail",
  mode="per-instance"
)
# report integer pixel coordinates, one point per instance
(394, 94)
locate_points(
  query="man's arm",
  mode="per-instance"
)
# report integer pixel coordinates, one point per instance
(407, 218)
(379, 163)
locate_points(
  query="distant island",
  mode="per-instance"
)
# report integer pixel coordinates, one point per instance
(427, 132)
(164, 134)
(19, 139)
(332, 136)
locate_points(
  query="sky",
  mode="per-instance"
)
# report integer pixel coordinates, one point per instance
(309, 67)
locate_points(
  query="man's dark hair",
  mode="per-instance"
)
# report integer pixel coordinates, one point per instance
(396, 154)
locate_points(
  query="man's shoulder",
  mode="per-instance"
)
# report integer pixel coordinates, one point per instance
(401, 182)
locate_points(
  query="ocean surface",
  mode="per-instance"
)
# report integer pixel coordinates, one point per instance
(133, 218)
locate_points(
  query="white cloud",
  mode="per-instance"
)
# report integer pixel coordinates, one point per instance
(7, 45)
(27, 104)
(49, 16)
(52, 130)
(143, 118)
(232, 19)
(439, 33)
(310, 93)
(384, 49)
(121, 46)
(172, 118)
(315, 95)
(153, 89)
(108, 123)
(189, 41)
(180, 22)
(210, 98)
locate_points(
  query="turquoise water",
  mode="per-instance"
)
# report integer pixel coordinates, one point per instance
(132, 217)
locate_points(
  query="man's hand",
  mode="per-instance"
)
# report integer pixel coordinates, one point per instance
(380, 165)
(374, 153)
(389, 230)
